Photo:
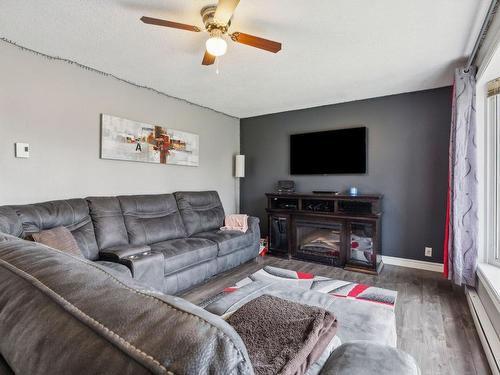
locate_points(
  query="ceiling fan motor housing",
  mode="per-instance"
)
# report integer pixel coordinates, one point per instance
(207, 15)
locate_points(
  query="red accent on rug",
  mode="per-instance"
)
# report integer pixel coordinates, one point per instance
(230, 289)
(357, 290)
(304, 275)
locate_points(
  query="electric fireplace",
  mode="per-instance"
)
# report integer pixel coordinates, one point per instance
(319, 242)
(334, 229)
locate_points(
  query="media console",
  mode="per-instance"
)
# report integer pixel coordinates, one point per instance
(334, 229)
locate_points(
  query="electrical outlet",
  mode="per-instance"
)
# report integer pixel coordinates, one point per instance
(428, 251)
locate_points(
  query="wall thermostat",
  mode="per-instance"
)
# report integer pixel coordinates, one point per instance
(22, 150)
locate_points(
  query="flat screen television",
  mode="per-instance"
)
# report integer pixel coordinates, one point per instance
(341, 151)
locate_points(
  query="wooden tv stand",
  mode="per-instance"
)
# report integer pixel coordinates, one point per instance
(335, 229)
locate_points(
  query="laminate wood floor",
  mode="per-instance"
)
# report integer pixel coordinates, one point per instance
(433, 320)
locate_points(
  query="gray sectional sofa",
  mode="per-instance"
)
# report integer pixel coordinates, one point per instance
(61, 314)
(109, 312)
(169, 242)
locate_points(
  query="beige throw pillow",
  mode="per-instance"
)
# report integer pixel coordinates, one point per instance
(59, 238)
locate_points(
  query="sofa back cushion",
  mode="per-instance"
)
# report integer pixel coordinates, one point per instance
(76, 317)
(151, 218)
(201, 211)
(109, 225)
(10, 223)
(70, 213)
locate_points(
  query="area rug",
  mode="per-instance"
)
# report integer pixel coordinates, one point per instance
(332, 287)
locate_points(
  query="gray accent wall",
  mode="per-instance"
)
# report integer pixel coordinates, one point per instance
(408, 138)
(55, 107)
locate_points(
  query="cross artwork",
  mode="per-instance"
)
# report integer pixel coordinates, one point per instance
(124, 139)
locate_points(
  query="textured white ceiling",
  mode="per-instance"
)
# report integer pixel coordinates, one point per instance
(333, 50)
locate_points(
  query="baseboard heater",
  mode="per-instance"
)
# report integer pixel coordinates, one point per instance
(486, 331)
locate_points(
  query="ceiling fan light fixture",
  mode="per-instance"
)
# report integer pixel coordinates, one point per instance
(217, 21)
(216, 45)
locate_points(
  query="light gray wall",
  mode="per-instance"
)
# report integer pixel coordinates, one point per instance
(407, 162)
(56, 108)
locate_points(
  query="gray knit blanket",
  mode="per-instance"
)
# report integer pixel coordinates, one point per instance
(283, 337)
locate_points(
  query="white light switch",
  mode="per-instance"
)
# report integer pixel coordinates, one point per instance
(22, 150)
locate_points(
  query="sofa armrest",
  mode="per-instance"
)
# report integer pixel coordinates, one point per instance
(253, 225)
(115, 253)
(254, 229)
(146, 267)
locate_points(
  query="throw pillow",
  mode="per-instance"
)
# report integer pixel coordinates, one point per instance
(59, 238)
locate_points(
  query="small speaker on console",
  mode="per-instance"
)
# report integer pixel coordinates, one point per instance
(285, 186)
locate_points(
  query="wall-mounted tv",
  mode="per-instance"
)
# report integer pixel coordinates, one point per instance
(341, 151)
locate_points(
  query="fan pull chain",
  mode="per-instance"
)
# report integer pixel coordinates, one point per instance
(217, 66)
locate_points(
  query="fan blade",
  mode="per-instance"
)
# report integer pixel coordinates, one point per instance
(208, 59)
(257, 42)
(225, 10)
(175, 25)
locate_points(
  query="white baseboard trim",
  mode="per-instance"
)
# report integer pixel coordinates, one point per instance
(411, 263)
(487, 335)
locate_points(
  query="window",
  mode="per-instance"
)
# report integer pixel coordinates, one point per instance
(493, 173)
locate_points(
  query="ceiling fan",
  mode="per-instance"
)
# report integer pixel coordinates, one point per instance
(217, 20)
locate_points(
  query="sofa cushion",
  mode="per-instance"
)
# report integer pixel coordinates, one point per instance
(109, 225)
(201, 211)
(178, 282)
(184, 252)
(365, 358)
(151, 218)
(236, 258)
(228, 240)
(115, 268)
(70, 213)
(58, 238)
(10, 223)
